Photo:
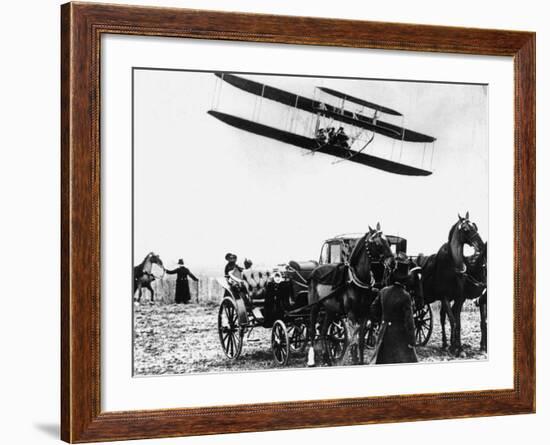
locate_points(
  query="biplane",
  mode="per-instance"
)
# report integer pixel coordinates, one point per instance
(322, 137)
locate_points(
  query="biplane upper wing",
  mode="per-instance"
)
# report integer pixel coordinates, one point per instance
(311, 144)
(315, 106)
(358, 101)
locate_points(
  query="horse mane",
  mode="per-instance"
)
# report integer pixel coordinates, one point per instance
(357, 249)
(453, 228)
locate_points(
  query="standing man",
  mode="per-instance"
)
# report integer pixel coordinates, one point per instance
(393, 307)
(182, 284)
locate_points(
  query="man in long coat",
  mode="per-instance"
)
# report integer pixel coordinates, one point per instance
(182, 284)
(393, 307)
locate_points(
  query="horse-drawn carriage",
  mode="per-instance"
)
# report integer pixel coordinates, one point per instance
(273, 299)
(277, 299)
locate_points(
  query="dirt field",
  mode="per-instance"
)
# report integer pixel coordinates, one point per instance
(177, 339)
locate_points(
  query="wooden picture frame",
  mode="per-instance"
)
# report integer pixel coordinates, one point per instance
(82, 26)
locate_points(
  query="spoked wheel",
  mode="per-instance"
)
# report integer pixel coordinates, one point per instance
(337, 340)
(297, 334)
(280, 343)
(231, 334)
(371, 334)
(423, 324)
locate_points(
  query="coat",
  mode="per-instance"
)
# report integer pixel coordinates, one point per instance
(393, 307)
(182, 285)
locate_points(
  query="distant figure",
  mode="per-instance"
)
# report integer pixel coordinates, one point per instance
(393, 307)
(182, 284)
(247, 263)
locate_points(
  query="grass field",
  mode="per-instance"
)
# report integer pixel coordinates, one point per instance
(178, 339)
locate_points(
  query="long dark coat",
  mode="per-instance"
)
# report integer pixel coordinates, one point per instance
(393, 306)
(182, 284)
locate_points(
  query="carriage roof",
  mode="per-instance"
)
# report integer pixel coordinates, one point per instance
(394, 240)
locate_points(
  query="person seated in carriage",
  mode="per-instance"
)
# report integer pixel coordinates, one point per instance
(237, 274)
(231, 265)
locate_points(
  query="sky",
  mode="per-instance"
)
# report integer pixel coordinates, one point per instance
(203, 188)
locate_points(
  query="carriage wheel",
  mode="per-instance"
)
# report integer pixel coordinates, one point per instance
(297, 334)
(371, 334)
(280, 343)
(423, 325)
(336, 340)
(231, 334)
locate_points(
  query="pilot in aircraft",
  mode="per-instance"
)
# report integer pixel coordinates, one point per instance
(341, 138)
(321, 136)
(331, 135)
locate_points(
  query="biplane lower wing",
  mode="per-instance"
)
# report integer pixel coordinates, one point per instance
(312, 144)
(317, 107)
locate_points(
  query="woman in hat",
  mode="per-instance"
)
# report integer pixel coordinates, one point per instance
(182, 284)
(394, 308)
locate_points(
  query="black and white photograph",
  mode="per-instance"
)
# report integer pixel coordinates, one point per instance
(284, 221)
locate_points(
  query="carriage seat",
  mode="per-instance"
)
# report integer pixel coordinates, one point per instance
(255, 282)
(304, 268)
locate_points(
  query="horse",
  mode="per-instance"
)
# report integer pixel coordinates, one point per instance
(444, 276)
(476, 288)
(346, 288)
(143, 277)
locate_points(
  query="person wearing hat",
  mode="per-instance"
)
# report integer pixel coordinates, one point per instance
(182, 284)
(341, 138)
(231, 265)
(393, 307)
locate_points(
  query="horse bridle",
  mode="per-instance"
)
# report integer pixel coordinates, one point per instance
(470, 241)
(353, 277)
(469, 237)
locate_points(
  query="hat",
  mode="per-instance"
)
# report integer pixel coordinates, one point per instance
(230, 256)
(180, 261)
(401, 273)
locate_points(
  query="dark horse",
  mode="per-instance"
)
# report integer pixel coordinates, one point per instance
(476, 288)
(346, 288)
(444, 276)
(143, 277)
